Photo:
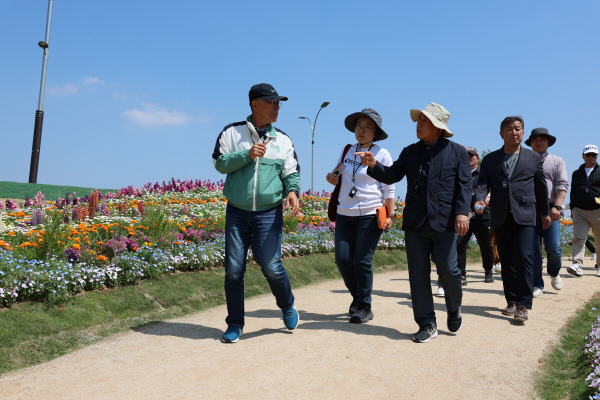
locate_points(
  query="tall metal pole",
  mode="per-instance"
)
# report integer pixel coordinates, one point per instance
(39, 114)
(312, 169)
(312, 127)
(313, 142)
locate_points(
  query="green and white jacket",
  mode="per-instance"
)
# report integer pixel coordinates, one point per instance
(262, 183)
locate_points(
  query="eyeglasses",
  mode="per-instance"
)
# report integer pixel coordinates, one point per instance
(591, 154)
(273, 102)
(364, 128)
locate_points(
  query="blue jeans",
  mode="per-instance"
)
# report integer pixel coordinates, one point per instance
(356, 239)
(422, 245)
(551, 237)
(262, 231)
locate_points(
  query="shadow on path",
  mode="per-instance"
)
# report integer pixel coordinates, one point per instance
(179, 329)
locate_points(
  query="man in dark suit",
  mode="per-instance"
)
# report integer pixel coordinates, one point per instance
(515, 177)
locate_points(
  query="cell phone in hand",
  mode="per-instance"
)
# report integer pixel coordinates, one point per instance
(338, 169)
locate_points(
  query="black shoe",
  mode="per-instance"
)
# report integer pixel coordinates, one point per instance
(362, 315)
(454, 320)
(425, 333)
(489, 276)
(353, 307)
(463, 280)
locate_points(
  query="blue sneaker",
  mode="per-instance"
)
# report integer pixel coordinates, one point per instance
(291, 317)
(232, 334)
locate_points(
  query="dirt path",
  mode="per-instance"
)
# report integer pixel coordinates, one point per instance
(325, 357)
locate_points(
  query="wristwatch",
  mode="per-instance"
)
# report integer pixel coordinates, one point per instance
(559, 208)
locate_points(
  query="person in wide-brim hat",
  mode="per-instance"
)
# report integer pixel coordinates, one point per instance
(437, 114)
(350, 122)
(540, 131)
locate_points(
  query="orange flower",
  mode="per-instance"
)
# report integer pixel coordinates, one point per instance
(101, 258)
(76, 246)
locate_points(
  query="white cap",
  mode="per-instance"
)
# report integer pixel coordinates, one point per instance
(590, 148)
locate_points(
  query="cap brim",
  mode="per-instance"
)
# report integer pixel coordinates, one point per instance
(350, 124)
(282, 98)
(414, 115)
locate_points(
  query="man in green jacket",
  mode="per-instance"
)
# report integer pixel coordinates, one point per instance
(262, 172)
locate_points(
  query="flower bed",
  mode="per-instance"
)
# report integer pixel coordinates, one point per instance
(592, 349)
(50, 250)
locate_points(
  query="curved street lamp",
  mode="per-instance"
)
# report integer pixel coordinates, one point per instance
(312, 169)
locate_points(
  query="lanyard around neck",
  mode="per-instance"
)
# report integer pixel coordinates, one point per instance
(355, 166)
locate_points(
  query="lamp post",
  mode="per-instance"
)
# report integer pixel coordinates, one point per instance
(39, 114)
(312, 169)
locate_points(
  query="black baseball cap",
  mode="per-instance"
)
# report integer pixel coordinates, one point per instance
(264, 91)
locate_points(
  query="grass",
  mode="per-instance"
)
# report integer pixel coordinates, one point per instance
(15, 190)
(563, 373)
(33, 333)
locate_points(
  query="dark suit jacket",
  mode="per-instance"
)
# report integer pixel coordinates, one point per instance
(526, 190)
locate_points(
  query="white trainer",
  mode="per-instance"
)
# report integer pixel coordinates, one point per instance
(440, 292)
(594, 256)
(575, 269)
(537, 292)
(556, 282)
(598, 272)
(497, 268)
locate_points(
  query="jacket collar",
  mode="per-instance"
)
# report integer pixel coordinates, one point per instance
(271, 132)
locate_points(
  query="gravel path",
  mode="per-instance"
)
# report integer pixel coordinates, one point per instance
(325, 357)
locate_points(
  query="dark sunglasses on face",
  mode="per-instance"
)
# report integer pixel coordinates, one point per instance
(591, 154)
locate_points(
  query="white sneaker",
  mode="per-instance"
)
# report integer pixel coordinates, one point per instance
(497, 268)
(556, 282)
(440, 292)
(537, 292)
(594, 256)
(575, 269)
(598, 272)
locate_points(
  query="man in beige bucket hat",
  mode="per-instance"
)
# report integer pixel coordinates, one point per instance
(438, 197)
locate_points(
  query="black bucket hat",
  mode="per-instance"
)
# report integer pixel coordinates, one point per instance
(541, 131)
(350, 122)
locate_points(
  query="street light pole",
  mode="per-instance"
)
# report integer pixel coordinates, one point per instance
(312, 169)
(39, 114)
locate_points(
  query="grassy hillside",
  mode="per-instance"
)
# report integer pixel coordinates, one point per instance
(15, 190)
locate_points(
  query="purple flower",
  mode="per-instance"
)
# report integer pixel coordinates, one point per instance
(72, 254)
(37, 216)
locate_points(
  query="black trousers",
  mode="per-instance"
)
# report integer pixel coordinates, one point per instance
(515, 244)
(481, 229)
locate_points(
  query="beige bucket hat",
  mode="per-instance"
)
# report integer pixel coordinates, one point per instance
(437, 114)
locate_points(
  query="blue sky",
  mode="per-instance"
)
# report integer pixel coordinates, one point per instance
(137, 91)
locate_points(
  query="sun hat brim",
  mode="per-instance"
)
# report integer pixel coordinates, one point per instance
(350, 123)
(414, 115)
(551, 139)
